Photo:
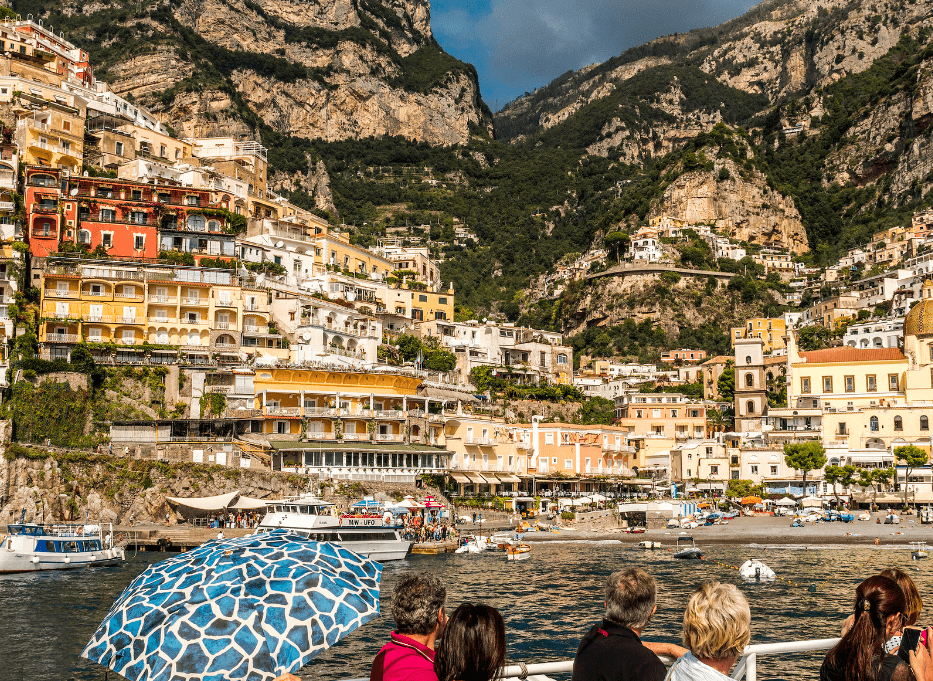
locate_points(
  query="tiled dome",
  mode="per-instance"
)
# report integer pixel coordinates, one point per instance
(919, 320)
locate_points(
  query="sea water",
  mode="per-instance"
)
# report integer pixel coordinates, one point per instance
(548, 602)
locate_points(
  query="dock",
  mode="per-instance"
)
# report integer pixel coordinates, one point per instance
(432, 548)
(173, 538)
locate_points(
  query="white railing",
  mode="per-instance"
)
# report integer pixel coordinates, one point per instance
(6, 205)
(62, 338)
(390, 414)
(163, 320)
(100, 294)
(283, 411)
(222, 325)
(55, 293)
(746, 667)
(98, 318)
(321, 411)
(162, 299)
(388, 437)
(194, 301)
(129, 295)
(128, 320)
(356, 436)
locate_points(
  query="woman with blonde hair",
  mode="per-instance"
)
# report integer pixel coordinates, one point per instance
(717, 627)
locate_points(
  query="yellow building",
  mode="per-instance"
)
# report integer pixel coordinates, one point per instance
(345, 406)
(189, 311)
(244, 161)
(418, 305)
(771, 330)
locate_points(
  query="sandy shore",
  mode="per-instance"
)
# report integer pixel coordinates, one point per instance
(765, 530)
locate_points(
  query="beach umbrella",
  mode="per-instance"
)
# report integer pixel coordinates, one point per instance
(597, 498)
(563, 501)
(786, 502)
(750, 500)
(251, 608)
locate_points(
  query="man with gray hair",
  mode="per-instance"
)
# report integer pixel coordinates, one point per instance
(613, 650)
(418, 611)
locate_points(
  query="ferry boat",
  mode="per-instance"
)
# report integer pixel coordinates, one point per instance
(31, 547)
(366, 534)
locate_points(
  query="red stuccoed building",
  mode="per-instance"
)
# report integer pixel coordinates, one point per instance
(42, 198)
(125, 219)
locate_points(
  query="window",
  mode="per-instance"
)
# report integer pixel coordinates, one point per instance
(549, 439)
(562, 359)
(750, 407)
(714, 470)
(107, 239)
(898, 423)
(163, 151)
(827, 384)
(568, 464)
(213, 226)
(873, 424)
(193, 201)
(138, 217)
(774, 470)
(924, 423)
(422, 299)
(892, 381)
(196, 222)
(749, 380)
(871, 383)
(850, 384)
(748, 359)
(805, 386)
(842, 428)
(139, 242)
(137, 195)
(754, 470)
(84, 237)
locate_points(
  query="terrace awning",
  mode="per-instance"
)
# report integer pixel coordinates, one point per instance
(508, 477)
(460, 478)
(476, 478)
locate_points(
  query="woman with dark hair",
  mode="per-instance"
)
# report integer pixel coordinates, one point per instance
(473, 646)
(860, 655)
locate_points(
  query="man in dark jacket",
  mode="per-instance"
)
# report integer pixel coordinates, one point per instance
(613, 650)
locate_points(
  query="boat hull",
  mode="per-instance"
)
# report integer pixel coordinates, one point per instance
(16, 562)
(689, 554)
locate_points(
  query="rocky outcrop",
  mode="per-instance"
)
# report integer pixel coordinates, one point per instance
(742, 206)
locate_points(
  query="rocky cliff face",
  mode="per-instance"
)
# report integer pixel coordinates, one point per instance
(329, 69)
(778, 49)
(742, 206)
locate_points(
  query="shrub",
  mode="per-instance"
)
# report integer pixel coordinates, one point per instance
(567, 515)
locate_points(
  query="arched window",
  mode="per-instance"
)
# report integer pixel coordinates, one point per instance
(213, 226)
(873, 424)
(898, 423)
(924, 423)
(749, 380)
(196, 223)
(84, 236)
(750, 407)
(748, 359)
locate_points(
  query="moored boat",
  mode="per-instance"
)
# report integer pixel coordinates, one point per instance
(518, 552)
(648, 545)
(364, 533)
(31, 547)
(689, 550)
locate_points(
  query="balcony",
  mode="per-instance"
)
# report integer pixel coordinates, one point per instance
(97, 318)
(113, 218)
(477, 441)
(319, 436)
(226, 346)
(223, 325)
(55, 293)
(321, 411)
(129, 295)
(62, 338)
(197, 302)
(388, 437)
(389, 414)
(224, 302)
(6, 205)
(254, 308)
(359, 437)
(163, 299)
(96, 294)
(283, 411)
(44, 208)
(162, 320)
(343, 352)
(122, 319)
(193, 322)
(264, 330)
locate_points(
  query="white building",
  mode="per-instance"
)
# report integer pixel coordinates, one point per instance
(883, 333)
(645, 248)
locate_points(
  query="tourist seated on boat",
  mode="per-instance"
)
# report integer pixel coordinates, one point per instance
(911, 611)
(473, 647)
(880, 607)
(717, 627)
(418, 611)
(613, 650)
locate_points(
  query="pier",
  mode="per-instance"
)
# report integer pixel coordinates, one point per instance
(172, 538)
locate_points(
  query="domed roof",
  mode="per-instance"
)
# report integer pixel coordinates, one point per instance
(919, 320)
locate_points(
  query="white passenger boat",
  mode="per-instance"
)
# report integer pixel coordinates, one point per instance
(366, 534)
(753, 570)
(31, 547)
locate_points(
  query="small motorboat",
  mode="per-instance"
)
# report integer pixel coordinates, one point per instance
(648, 545)
(673, 523)
(518, 552)
(688, 551)
(754, 570)
(32, 546)
(864, 516)
(634, 530)
(474, 545)
(892, 519)
(500, 541)
(920, 550)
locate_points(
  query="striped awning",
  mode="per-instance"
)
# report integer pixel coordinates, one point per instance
(491, 479)
(476, 478)
(508, 477)
(460, 478)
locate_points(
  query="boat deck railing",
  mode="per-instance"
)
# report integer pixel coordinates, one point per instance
(89, 531)
(745, 668)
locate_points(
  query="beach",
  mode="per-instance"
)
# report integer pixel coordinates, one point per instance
(764, 531)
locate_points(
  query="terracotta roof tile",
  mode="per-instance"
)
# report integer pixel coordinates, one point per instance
(848, 354)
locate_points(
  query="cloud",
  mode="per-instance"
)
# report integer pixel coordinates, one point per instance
(518, 46)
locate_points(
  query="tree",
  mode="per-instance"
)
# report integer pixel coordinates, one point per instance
(616, 241)
(843, 475)
(805, 457)
(739, 488)
(716, 420)
(726, 383)
(813, 338)
(874, 478)
(912, 456)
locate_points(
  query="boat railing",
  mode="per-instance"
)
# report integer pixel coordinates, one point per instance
(745, 668)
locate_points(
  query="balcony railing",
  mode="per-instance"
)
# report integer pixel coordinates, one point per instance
(194, 301)
(283, 411)
(113, 218)
(477, 440)
(123, 294)
(389, 414)
(44, 208)
(388, 437)
(123, 319)
(62, 338)
(163, 320)
(319, 436)
(256, 329)
(6, 205)
(356, 436)
(321, 411)
(96, 294)
(162, 299)
(222, 325)
(343, 352)
(55, 293)
(226, 346)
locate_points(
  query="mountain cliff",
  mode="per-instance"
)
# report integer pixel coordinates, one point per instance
(327, 69)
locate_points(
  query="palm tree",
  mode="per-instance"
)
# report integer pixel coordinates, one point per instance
(716, 421)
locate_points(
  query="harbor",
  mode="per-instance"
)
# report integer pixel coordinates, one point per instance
(548, 602)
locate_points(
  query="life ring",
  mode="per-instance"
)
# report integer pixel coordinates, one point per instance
(120, 537)
(80, 531)
(340, 521)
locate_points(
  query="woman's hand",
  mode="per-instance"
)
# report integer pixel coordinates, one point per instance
(287, 677)
(921, 662)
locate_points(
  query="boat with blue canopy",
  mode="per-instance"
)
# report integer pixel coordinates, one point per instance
(31, 547)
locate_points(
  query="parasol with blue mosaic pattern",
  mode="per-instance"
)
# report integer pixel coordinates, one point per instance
(248, 608)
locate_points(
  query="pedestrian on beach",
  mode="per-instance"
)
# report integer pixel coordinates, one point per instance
(860, 655)
(613, 650)
(474, 517)
(473, 647)
(418, 611)
(717, 627)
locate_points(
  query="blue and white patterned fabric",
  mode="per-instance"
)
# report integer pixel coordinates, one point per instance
(247, 608)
